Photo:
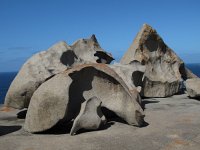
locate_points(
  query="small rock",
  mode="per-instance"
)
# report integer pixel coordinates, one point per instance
(193, 87)
(90, 116)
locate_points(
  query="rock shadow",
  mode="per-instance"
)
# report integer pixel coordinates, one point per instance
(111, 116)
(68, 58)
(103, 57)
(59, 128)
(4, 130)
(145, 102)
(82, 81)
(22, 114)
(102, 127)
(145, 124)
(65, 128)
(194, 98)
(137, 78)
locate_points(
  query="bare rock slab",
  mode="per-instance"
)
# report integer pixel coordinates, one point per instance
(193, 88)
(90, 116)
(164, 69)
(45, 64)
(60, 97)
(173, 124)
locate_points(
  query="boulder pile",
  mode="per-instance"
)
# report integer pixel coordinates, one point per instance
(74, 83)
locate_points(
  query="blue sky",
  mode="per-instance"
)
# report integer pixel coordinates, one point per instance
(29, 26)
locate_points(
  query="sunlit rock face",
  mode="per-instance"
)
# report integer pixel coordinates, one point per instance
(45, 64)
(164, 69)
(193, 88)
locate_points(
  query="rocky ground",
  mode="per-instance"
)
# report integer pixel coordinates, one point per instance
(172, 123)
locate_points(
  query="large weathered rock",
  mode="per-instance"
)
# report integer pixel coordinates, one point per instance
(193, 87)
(34, 72)
(90, 116)
(60, 97)
(164, 69)
(48, 104)
(43, 65)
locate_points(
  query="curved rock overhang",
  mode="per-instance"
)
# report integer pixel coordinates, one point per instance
(75, 86)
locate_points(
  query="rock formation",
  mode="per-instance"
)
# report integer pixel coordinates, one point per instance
(45, 64)
(67, 83)
(193, 87)
(60, 97)
(90, 116)
(164, 69)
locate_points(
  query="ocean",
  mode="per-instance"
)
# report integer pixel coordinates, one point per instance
(7, 77)
(5, 80)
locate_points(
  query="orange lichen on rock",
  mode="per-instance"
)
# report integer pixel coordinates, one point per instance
(6, 109)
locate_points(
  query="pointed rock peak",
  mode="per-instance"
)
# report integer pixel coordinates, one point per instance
(147, 29)
(147, 26)
(146, 41)
(89, 41)
(93, 38)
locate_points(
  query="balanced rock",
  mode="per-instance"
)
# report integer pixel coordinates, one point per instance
(60, 98)
(45, 64)
(164, 69)
(193, 87)
(90, 116)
